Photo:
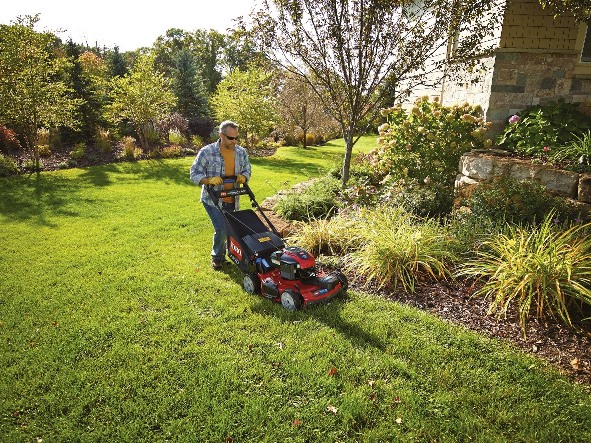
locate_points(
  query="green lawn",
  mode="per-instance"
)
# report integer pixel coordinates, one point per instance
(113, 327)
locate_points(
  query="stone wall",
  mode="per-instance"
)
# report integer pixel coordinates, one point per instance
(485, 165)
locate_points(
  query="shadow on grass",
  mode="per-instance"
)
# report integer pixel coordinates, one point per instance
(330, 314)
(37, 197)
(34, 197)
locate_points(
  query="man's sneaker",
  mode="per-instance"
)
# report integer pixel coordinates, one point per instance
(217, 263)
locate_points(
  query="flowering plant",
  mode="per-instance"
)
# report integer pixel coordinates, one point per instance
(428, 142)
(419, 150)
(542, 131)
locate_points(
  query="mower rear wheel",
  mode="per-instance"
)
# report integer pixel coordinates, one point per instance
(251, 284)
(291, 300)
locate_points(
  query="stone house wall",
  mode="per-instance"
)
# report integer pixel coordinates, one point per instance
(537, 61)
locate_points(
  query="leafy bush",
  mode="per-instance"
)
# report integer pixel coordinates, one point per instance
(317, 200)
(176, 137)
(7, 166)
(417, 157)
(43, 136)
(8, 140)
(469, 231)
(540, 131)
(506, 199)
(427, 143)
(170, 151)
(44, 150)
(541, 268)
(79, 151)
(425, 200)
(197, 141)
(130, 150)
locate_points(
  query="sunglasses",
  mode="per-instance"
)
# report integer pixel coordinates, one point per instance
(230, 138)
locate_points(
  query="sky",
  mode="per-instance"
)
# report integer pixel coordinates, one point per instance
(129, 24)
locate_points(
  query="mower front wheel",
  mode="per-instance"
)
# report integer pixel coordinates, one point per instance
(291, 300)
(251, 284)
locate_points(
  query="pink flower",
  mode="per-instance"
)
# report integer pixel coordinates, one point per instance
(546, 148)
(514, 119)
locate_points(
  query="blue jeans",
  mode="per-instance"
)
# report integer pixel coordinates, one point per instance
(218, 249)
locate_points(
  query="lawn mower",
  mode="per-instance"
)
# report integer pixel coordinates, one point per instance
(281, 273)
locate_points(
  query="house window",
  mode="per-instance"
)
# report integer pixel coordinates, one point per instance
(586, 55)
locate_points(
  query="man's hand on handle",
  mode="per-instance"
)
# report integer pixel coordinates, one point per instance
(212, 181)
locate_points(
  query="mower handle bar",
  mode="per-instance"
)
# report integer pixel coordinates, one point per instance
(216, 195)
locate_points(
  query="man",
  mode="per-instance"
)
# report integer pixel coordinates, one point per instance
(214, 161)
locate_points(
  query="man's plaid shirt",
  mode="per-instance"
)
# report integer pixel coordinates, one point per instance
(210, 163)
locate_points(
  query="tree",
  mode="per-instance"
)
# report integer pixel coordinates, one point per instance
(31, 94)
(300, 107)
(143, 96)
(581, 9)
(188, 87)
(347, 49)
(117, 65)
(87, 85)
(207, 46)
(247, 97)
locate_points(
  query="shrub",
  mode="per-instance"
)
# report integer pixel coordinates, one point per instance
(469, 231)
(43, 136)
(541, 268)
(506, 199)
(129, 148)
(30, 165)
(44, 150)
(8, 140)
(7, 166)
(170, 152)
(176, 137)
(540, 131)
(79, 151)
(427, 143)
(418, 155)
(317, 200)
(197, 141)
(152, 136)
(428, 199)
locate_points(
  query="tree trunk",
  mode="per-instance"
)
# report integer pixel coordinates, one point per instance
(347, 161)
(305, 140)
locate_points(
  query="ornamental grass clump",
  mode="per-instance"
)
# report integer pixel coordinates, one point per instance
(399, 249)
(320, 199)
(330, 236)
(541, 270)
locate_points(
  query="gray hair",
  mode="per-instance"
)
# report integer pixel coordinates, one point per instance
(227, 124)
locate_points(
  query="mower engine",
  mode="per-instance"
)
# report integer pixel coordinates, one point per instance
(294, 263)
